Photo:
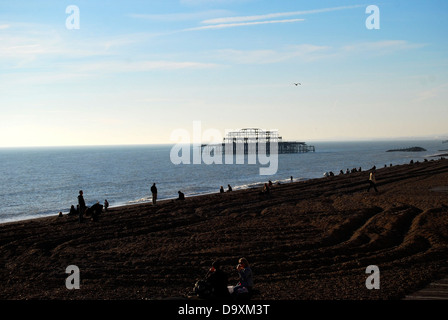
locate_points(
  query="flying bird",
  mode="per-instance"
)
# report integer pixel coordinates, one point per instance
(297, 84)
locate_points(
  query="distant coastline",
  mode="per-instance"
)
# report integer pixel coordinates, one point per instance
(412, 149)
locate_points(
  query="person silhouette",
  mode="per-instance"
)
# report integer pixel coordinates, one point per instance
(218, 280)
(82, 205)
(245, 275)
(154, 193)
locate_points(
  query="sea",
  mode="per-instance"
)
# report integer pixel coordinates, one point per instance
(43, 181)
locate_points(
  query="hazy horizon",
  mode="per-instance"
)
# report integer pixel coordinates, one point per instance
(310, 142)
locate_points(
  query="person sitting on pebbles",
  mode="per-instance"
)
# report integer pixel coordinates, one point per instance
(246, 282)
(181, 195)
(218, 281)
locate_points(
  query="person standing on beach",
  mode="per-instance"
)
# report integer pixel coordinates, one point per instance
(372, 181)
(221, 190)
(82, 205)
(154, 193)
(229, 188)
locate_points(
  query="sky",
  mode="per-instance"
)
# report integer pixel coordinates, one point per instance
(134, 72)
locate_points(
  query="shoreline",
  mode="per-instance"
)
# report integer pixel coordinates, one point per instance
(54, 206)
(259, 185)
(309, 240)
(256, 185)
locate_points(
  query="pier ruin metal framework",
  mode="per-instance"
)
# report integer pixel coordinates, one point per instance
(253, 139)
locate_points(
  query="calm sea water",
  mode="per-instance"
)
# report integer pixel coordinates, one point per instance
(37, 182)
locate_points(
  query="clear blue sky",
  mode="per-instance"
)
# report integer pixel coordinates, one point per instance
(135, 71)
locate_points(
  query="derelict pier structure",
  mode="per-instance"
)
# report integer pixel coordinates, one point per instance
(254, 140)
